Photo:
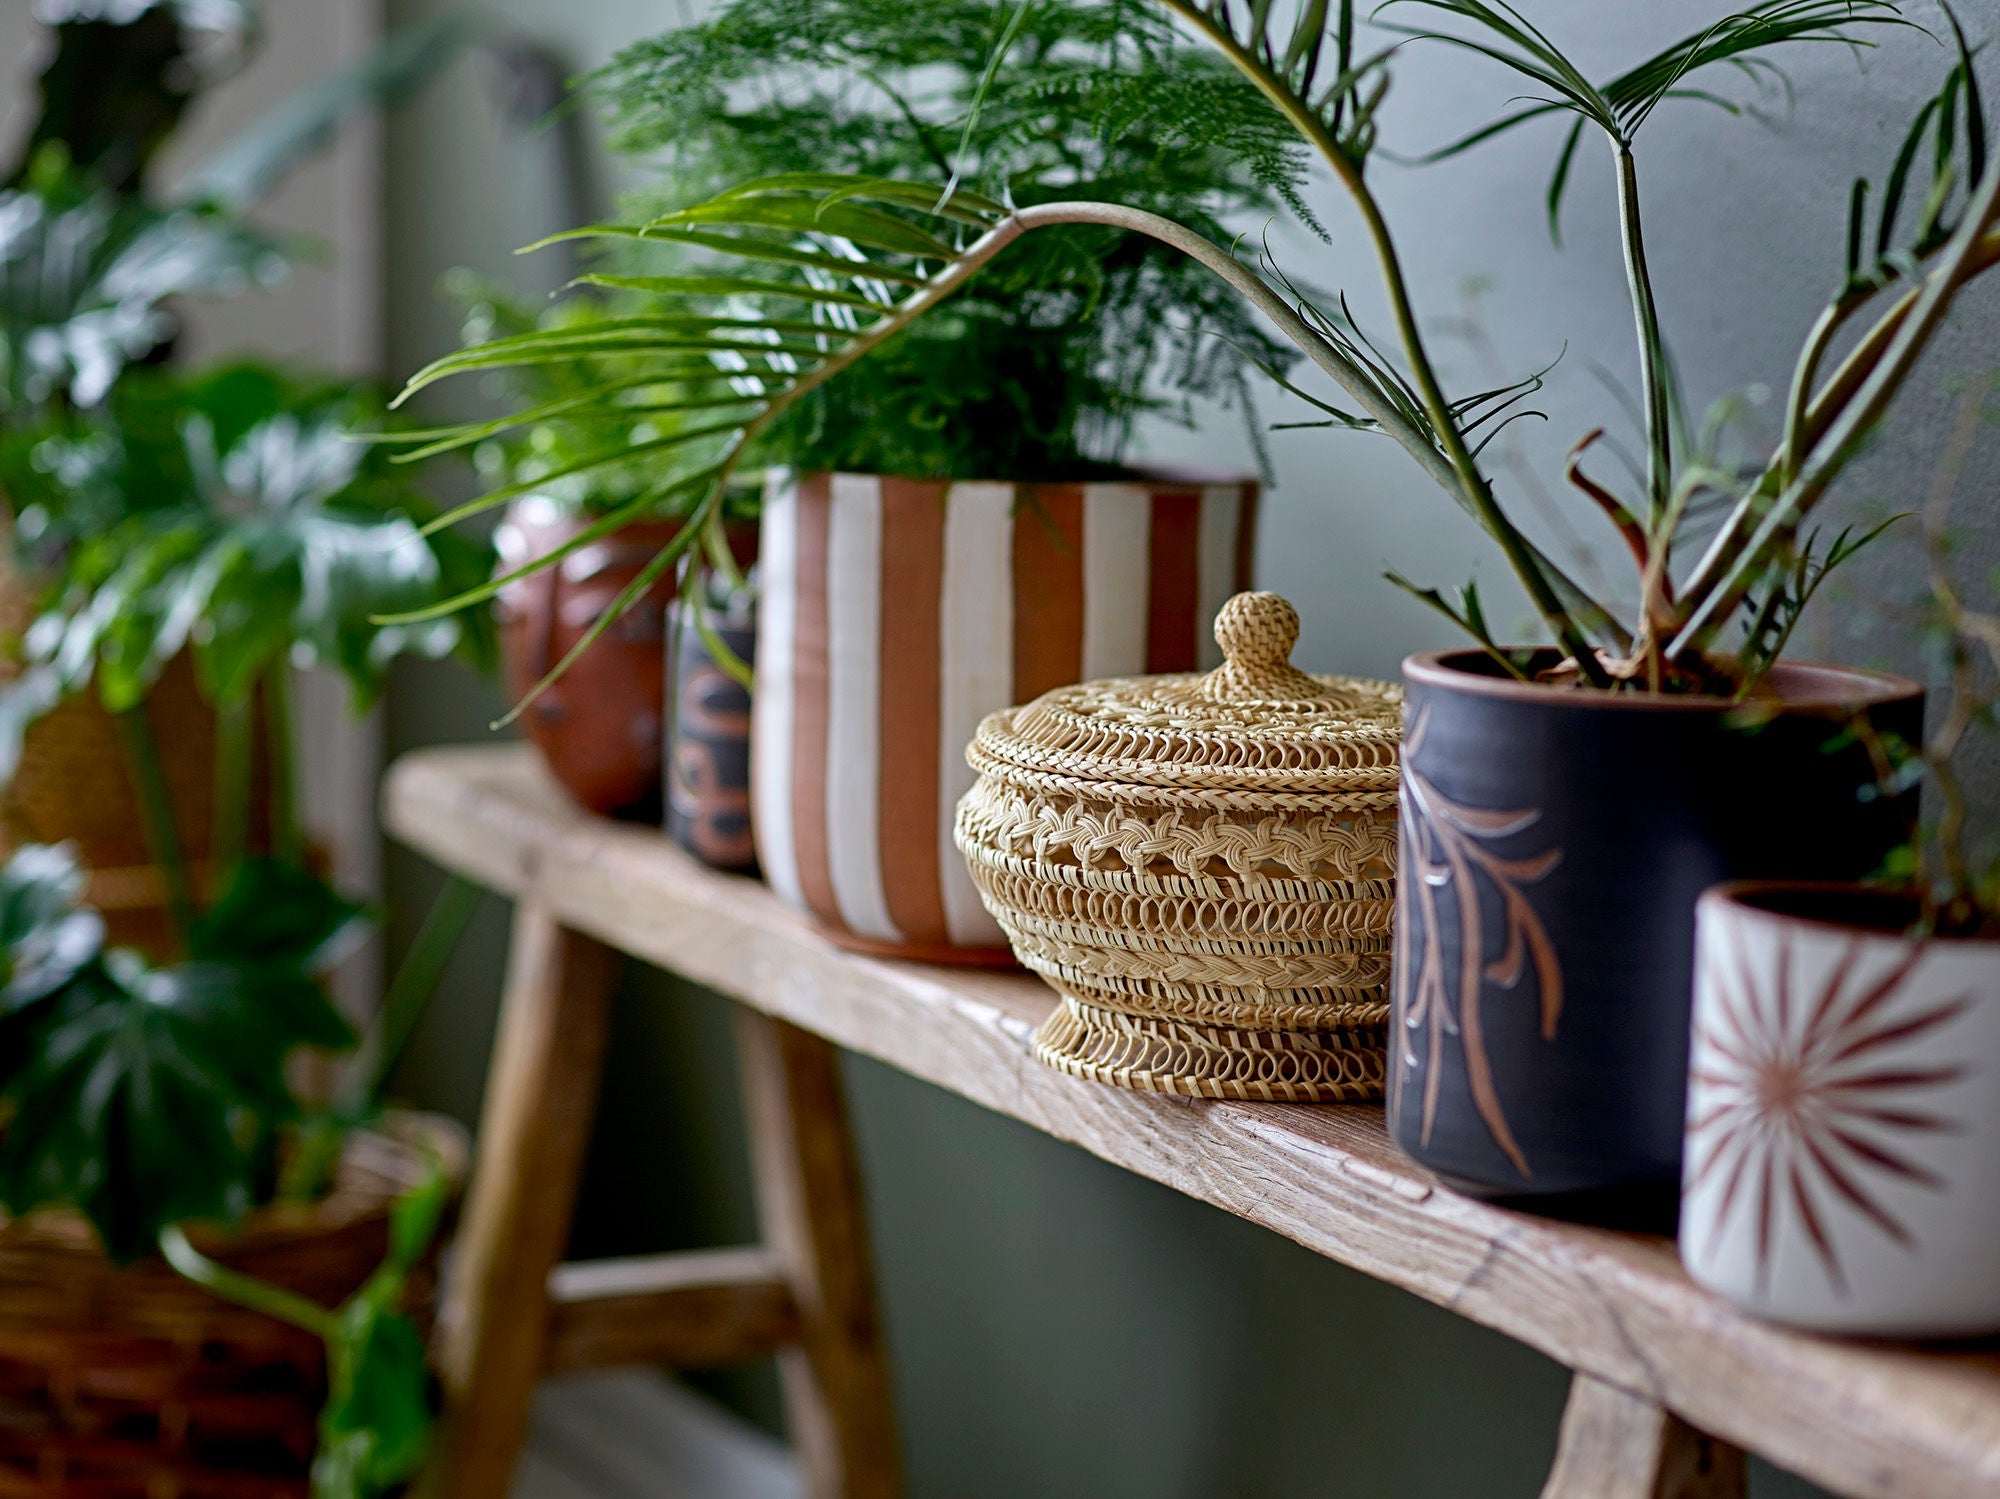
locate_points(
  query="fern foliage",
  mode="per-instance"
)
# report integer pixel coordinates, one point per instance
(1041, 366)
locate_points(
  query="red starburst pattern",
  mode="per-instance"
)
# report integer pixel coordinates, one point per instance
(1808, 1107)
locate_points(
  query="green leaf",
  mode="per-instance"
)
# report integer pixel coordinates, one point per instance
(832, 188)
(1468, 616)
(736, 286)
(145, 1101)
(375, 1429)
(1559, 178)
(83, 277)
(1624, 103)
(746, 246)
(281, 929)
(1975, 109)
(46, 935)
(594, 532)
(267, 537)
(585, 464)
(24, 702)
(868, 227)
(1892, 195)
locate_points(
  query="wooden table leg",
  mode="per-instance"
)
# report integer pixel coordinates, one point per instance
(836, 1381)
(541, 1094)
(1617, 1445)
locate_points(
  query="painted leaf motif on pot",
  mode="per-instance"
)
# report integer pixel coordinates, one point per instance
(1448, 857)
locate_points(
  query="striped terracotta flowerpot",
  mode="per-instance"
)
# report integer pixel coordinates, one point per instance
(897, 613)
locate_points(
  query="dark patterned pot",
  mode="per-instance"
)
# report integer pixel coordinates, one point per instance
(1553, 844)
(708, 755)
(599, 728)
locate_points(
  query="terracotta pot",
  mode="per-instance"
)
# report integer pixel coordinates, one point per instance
(1843, 1135)
(708, 759)
(599, 727)
(897, 613)
(1553, 843)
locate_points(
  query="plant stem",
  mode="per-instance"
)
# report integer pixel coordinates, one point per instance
(287, 837)
(234, 766)
(156, 808)
(244, 1290)
(1652, 348)
(1832, 399)
(409, 991)
(1964, 256)
(1470, 487)
(1791, 452)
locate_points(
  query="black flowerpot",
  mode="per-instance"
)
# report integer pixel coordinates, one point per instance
(1552, 846)
(708, 751)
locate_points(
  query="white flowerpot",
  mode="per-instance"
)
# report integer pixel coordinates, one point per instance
(1843, 1150)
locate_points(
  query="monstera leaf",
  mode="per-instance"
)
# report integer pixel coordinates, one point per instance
(261, 535)
(145, 1100)
(84, 274)
(280, 929)
(46, 937)
(145, 1096)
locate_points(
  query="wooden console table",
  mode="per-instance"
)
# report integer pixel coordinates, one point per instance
(1671, 1385)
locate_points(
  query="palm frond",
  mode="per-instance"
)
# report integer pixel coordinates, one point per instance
(1621, 105)
(742, 360)
(1467, 614)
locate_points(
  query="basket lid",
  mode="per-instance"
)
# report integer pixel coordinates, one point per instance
(1255, 723)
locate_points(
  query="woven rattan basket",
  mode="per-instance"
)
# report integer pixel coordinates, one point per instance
(129, 1382)
(1202, 866)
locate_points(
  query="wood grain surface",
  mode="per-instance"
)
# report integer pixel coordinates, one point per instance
(1873, 1421)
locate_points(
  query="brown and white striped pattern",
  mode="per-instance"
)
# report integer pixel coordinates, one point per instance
(896, 613)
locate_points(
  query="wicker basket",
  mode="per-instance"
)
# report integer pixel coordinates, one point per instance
(1203, 867)
(129, 1382)
(74, 783)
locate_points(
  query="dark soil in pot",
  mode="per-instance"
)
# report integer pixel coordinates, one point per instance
(1553, 844)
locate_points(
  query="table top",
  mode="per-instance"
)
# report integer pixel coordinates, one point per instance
(1866, 1419)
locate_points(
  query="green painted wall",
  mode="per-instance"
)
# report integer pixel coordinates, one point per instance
(1061, 1328)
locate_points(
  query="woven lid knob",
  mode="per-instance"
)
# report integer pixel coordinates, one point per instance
(1257, 629)
(1257, 632)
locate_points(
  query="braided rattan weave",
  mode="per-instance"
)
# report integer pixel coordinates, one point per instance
(1202, 866)
(129, 1382)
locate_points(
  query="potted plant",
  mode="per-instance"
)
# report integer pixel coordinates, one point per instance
(1542, 1035)
(178, 543)
(1841, 1116)
(952, 525)
(144, 1109)
(226, 519)
(600, 730)
(96, 261)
